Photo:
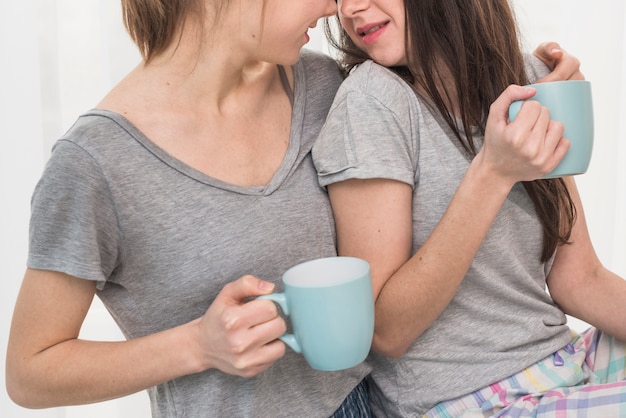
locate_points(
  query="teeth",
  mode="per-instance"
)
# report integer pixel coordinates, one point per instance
(374, 29)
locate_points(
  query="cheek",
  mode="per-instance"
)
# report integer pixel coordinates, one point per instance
(345, 24)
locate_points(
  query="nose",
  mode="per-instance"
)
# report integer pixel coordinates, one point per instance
(349, 8)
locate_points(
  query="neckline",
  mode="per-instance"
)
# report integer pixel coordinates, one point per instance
(284, 80)
(296, 96)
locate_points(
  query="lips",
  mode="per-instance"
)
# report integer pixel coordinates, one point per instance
(372, 29)
(370, 33)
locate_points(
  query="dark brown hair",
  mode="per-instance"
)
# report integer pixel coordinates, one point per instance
(477, 41)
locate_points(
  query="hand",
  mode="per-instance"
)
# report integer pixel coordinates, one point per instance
(239, 337)
(527, 148)
(564, 66)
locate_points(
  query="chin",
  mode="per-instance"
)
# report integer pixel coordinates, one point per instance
(388, 63)
(289, 59)
(389, 60)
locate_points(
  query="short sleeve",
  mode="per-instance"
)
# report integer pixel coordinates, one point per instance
(368, 131)
(535, 68)
(73, 227)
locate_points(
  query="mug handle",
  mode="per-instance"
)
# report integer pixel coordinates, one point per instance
(281, 300)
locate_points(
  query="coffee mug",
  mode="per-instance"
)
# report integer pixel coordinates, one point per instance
(330, 304)
(570, 102)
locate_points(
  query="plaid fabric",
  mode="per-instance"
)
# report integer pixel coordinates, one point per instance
(586, 378)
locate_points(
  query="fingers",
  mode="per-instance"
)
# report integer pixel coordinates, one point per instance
(548, 52)
(252, 347)
(500, 107)
(564, 66)
(540, 139)
(240, 337)
(527, 148)
(243, 288)
(557, 142)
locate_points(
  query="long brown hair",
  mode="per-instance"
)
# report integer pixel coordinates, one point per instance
(477, 42)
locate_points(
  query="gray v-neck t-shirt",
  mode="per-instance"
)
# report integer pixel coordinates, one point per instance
(162, 239)
(501, 319)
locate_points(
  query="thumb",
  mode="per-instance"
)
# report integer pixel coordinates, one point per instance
(244, 288)
(500, 107)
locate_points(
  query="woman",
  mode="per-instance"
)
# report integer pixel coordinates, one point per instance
(192, 173)
(432, 185)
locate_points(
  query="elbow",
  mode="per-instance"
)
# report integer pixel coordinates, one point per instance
(389, 347)
(20, 391)
(19, 394)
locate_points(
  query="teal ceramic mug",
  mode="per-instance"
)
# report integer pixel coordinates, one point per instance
(570, 102)
(330, 304)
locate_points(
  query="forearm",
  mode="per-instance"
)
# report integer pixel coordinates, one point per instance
(593, 294)
(78, 372)
(602, 304)
(419, 291)
(581, 285)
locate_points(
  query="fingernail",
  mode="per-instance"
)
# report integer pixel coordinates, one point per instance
(263, 285)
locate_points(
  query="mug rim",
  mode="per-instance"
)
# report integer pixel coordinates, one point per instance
(362, 270)
(545, 83)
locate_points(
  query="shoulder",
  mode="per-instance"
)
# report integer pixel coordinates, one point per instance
(319, 66)
(371, 82)
(535, 68)
(98, 128)
(313, 57)
(92, 124)
(316, 79)
(97, 139)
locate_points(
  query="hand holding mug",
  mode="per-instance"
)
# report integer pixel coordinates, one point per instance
(570, 102)
(240, 337)
(330, 305)
(523, 150)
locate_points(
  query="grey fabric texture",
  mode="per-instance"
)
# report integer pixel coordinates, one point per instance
(162, 239)
(502, 319)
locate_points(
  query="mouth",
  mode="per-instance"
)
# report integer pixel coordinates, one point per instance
(369, 29)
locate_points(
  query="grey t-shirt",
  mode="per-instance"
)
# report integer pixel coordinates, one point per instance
(162, 239)
(502, 319)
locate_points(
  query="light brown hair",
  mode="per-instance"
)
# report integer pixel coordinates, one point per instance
(154, 24)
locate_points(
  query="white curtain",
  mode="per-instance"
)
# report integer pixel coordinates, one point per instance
(59, 57)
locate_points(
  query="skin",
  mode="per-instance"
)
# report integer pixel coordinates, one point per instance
(229, 109)
(411, 291)
(222, 81)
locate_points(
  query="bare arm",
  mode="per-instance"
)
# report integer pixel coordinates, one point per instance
(374, 222)
(582, 286)
(411, 295)
(47, 365)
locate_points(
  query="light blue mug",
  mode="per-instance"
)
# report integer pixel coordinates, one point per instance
(330, 304)
(570, 102)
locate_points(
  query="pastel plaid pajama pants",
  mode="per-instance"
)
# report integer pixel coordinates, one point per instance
(586, 378)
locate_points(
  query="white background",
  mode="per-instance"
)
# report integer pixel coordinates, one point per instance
(59, 57)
